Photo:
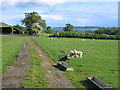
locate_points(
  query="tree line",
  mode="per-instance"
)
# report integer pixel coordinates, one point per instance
(101, 33)
(35, 25)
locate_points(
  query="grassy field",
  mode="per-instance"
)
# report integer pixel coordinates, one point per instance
(100, 58)
(0, 55)
(36, 78)
(11, 46)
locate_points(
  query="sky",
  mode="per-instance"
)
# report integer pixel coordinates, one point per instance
(58, 13)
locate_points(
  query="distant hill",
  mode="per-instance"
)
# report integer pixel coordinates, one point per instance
(79, 28)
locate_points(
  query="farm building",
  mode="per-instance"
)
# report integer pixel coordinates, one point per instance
(7, 29)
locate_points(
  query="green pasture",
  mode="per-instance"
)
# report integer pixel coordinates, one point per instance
(100, 58)
(0, 55)
(11, 46)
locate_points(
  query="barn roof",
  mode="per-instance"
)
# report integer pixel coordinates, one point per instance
(4, 25)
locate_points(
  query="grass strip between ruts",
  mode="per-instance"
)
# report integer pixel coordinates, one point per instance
(36, 77)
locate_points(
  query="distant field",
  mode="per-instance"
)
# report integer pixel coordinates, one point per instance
(100, 58)
(11, 46)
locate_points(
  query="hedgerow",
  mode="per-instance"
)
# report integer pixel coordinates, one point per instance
(77, 34)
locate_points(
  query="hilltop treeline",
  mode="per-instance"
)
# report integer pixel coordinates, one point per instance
(102, 33)
(108, 31)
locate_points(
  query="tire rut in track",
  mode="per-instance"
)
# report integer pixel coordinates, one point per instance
(55, 77)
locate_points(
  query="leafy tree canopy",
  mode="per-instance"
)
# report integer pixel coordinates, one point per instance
(37, 28)
(21, 28)
(48, 30)
(109, 31)
(32, 20)
(68, 27)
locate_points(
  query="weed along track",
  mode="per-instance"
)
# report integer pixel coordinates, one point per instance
(16, 73)
(56, 79)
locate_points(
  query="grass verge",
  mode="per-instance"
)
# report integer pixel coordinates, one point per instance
(11, 46)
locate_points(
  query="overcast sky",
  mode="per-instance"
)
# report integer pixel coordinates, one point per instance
(57, 13)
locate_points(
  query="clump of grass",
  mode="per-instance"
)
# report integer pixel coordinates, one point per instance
(36, 77)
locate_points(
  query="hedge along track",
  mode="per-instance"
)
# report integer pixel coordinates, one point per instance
(16, 73)
(55, 77)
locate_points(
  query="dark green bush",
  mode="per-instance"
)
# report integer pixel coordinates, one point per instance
(77, 34)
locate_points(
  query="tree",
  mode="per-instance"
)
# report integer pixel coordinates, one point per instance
(43, 24)
(111, 31)
(37, 28)
(49, 30)
(33, 20)
(115, 30)
(68, 27)
(21, 28)
(103, 30)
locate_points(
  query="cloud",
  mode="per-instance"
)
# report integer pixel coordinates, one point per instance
(99, 12)
(34, 11)
(92, 0)
(51, 2)
(53, 17)
(10, 3)
(83, 20)
(13, 17)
